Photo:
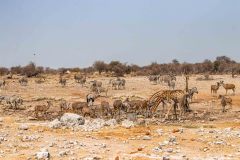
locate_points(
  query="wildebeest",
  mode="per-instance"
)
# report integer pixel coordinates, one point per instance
(225, 101)
(228, 86)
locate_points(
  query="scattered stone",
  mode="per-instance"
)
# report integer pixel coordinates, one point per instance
(43, 155)
(160, 132)
(127, 124)
(166, 158)
(169, 150)
(63, 153)
(111, 123)
(141, 121)
(23, 127)
(55, 124)
(146, 138)
(172, 139)
(30, 138)
(205, 149)
(212, 118)
(71, 119)
(175, 130)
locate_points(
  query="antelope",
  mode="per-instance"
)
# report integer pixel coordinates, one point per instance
(42, 108)
(105, 108)
(64, 105)
(228, 86)
(86, 111)
(78, 106)
(225, 101)
(214, 88)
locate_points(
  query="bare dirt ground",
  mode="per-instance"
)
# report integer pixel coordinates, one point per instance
(214, 137)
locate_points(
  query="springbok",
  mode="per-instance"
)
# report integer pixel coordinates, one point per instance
(214, 88)
(228, 86)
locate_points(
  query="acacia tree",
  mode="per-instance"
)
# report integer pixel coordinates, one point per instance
(100, 66)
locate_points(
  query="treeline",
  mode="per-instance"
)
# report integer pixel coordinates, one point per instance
(221, 65)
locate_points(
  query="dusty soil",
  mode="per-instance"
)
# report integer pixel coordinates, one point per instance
(194, 139)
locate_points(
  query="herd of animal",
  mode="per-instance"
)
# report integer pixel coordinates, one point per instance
(179, 100)
(170, 80)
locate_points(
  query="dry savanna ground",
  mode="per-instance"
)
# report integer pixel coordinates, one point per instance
(210, 135)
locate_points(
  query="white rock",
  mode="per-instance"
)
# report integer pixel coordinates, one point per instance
(146, 138)
(43, 155)
(23, 127)
(62, 153)
(55, 124)
(160, 132)
(127, 124)
(172, 139)
(71, 119)
(111, 122)
(169, 150)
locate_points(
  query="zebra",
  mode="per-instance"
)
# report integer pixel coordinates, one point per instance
(154, 78)
(192, 91)
(171, 85)
(23, 81)
(14, 101)
(167, 78)
(117, 83)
